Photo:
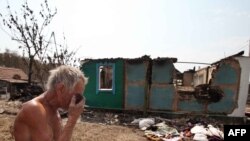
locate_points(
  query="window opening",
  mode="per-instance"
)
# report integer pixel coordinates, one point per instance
(105, 78)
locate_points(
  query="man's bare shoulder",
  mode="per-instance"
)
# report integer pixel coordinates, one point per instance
(31, 110)
(31, 113)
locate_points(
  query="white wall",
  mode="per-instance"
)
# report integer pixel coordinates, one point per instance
(243, 88)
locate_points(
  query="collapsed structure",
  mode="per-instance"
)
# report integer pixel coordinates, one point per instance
(155, 85)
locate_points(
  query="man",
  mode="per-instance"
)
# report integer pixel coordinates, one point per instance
(39, 119)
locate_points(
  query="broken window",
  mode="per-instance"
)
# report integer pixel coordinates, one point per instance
(105, 77)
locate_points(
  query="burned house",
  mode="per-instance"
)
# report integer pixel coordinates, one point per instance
(203, 75)
(11, 80)
(188, 77)
(150, 85)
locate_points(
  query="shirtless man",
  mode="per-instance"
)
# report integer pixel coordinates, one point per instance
(39, 119)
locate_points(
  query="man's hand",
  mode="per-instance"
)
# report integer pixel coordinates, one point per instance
(74, 112)
(75, 109)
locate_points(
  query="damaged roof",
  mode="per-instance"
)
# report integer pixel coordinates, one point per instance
(139, 59)
(13, 75)
(232, 56)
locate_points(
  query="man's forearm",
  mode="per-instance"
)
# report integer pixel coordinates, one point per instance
(67, 131)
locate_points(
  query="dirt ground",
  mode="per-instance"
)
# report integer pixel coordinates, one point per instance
(92, 130)
(99, 125)
(84, 131)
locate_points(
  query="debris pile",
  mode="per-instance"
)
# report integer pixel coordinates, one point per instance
(11, 107)
(111, 118)
(164, 131)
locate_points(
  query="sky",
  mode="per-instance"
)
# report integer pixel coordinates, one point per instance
(189, 30)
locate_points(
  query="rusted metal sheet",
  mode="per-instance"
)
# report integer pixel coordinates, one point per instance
(136, 72)
(226, 105)
(187, 101)
(191, 105)
(162, 92)
(226, 74)
(150, 85)
(135, 97)
(162, 98)
(227, 77)
(162, 72)
(135, 81)
(218, 96)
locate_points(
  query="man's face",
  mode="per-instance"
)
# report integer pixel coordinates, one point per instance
(67, 96)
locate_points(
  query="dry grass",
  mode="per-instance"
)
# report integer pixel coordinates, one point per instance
(6, 122)
(93, 126)
(97, 132)
(84, 131)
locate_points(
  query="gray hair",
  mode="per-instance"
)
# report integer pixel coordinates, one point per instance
(67, 75)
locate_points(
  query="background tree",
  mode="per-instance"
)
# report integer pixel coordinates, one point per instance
(59, 56)
(29, 28)
(11, 59)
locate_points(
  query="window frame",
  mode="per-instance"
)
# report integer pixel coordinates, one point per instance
(98, 88)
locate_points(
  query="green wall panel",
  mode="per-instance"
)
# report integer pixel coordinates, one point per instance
(226, 105)
(190, 106)
(135, 97)
(162, 98)
(104, 99)
(225, 75)
(162, 73)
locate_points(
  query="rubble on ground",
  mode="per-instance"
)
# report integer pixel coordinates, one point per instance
(190, 130)
(154, 127)
(10, 107)
(158, 128)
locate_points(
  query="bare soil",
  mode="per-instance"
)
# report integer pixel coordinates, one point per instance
(100, 125)
(92, 130)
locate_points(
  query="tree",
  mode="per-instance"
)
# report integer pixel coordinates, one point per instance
(28, 28)
(59, 56)
(11, 59)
